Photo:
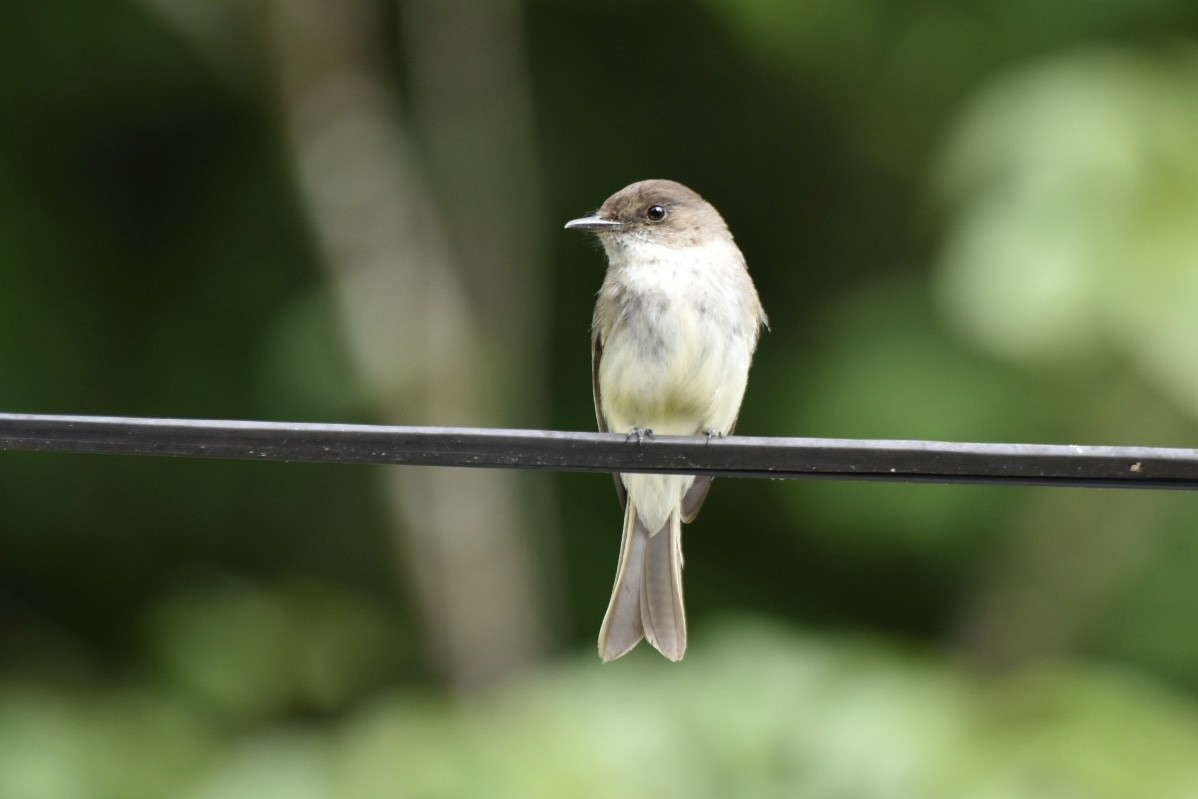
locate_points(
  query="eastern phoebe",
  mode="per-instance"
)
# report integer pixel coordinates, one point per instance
(673, 333)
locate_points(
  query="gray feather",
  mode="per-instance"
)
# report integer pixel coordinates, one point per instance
(622, 628)
(692, 500)
(663, 616)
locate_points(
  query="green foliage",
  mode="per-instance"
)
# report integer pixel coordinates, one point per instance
(756, 711)
(1074, 186)
(967, 222)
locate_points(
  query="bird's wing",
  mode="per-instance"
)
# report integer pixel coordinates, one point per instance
(692, 500)
(596, 357)
(600, 417)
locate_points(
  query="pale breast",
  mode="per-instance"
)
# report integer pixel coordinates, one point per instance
(676, 354)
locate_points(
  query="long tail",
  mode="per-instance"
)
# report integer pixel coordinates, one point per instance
(646, 601)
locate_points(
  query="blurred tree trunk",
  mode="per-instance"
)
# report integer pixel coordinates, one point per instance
(428, 298)
(428, 223)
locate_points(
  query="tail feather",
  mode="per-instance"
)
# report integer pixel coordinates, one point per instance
(646, 599)
(662, 613)
(622, 629)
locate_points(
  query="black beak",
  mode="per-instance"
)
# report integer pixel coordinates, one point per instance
(595, 224)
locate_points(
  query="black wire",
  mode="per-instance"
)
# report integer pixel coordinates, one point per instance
(737, 456)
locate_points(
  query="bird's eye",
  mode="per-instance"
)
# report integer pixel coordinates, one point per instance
(655, 213)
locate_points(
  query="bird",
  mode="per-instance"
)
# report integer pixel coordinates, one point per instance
(676, 323)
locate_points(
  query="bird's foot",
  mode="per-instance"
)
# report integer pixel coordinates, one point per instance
(640, 434)
(713, 434)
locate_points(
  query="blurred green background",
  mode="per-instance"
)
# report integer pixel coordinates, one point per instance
(968, 221)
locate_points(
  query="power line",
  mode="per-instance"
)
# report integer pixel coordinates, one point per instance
(736, 456)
